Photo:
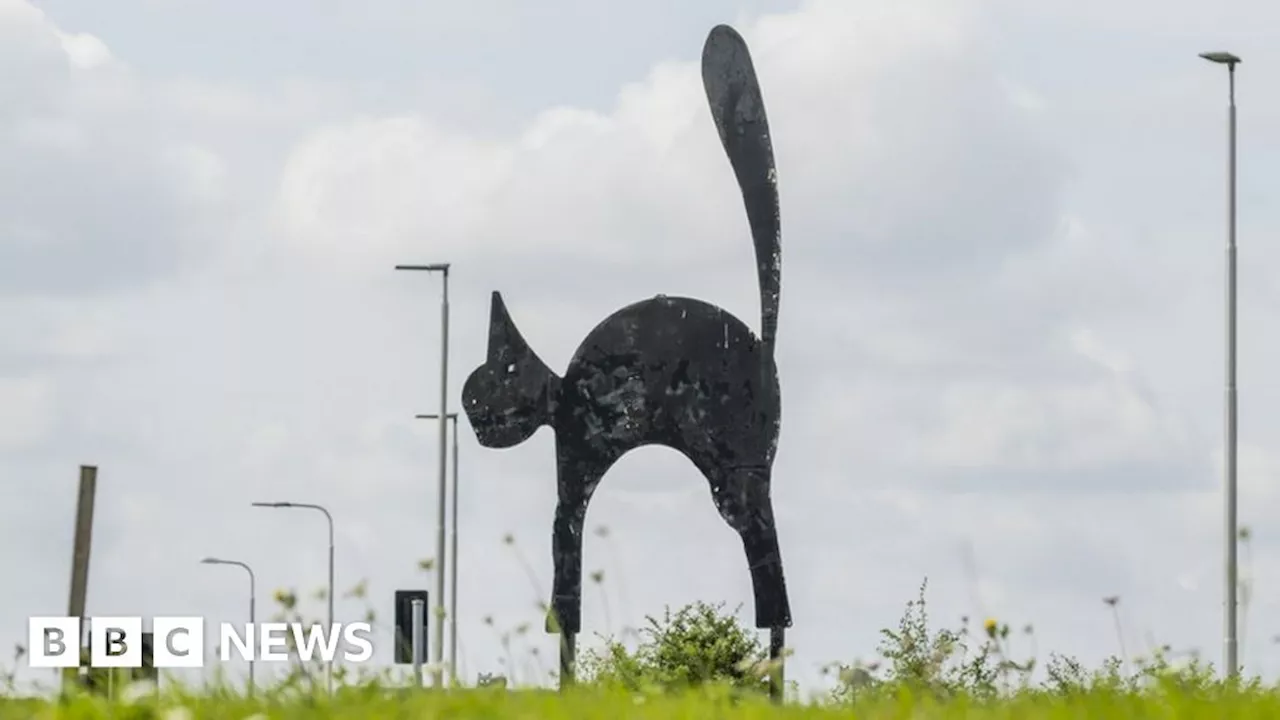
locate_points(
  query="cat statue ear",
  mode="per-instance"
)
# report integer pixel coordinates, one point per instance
(506, 344)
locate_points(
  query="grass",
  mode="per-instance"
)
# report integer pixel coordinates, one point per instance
(922, 674)
(371, 701)
(700, 662)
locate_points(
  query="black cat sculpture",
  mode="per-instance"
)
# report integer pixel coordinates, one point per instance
(667, 371)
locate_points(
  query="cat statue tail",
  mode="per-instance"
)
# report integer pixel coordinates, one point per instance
(737, 107)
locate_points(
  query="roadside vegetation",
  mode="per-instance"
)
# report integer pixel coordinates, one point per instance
(701, 661)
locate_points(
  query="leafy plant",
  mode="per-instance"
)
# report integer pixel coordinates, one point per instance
(697, 645)
(941, 664)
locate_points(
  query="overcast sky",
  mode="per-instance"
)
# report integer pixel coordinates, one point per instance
(1001, 335)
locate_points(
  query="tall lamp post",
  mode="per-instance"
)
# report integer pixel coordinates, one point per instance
(437, 671)
(1231, 641)
(453, 549)
(329, 518)
(253, 593)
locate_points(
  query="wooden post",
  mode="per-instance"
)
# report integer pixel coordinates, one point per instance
(80, 558)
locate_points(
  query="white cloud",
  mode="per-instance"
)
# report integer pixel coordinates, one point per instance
(78, 127)
(200, 172)
(26, 411)
(85, 51)
(384, 181)
(851, 91)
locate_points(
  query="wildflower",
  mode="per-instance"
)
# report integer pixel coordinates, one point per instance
(177, 712)
(136, 691)
(285, 598)
(991, 626)
(360, 591)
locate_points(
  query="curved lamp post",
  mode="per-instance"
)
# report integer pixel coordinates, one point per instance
(328, 517)
(253, 593)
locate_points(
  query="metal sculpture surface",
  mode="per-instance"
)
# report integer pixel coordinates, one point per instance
(667, 371)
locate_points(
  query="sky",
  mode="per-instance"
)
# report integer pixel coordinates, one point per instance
(1001, 336)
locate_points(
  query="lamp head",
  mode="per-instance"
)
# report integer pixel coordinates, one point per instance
(1222, 58)
(433, 267)
(273, 504)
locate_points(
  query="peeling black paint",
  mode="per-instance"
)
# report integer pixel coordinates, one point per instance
(667, 371)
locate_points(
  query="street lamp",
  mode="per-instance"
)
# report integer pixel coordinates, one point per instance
(1232, 564)
(453, 550)
(253, 593)
(307, 506)
(437, 671)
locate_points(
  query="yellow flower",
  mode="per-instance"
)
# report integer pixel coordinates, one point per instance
(990, 625)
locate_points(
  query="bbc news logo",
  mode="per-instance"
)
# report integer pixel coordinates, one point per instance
(178, 642)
